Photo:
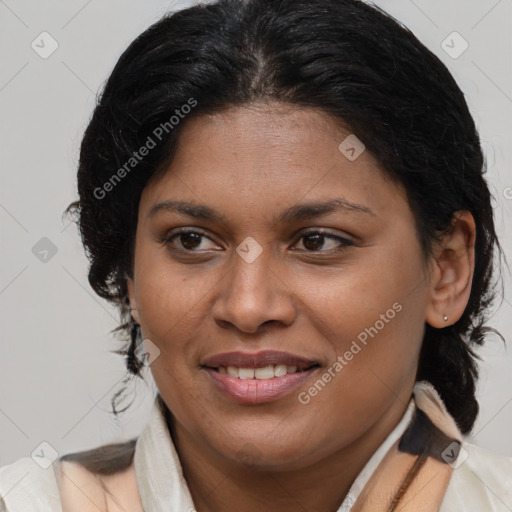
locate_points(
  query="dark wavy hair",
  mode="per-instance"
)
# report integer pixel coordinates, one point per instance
(343, 57)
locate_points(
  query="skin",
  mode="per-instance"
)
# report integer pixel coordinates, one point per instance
(250, 164)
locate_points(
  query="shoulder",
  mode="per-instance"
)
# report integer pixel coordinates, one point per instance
(27, 482)
(102, 479)
(481, 480)
(99, 479)
(104, 460)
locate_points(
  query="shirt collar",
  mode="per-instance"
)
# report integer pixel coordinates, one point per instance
(163, 487)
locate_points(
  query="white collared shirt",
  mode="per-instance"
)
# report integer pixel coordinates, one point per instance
(482, 483)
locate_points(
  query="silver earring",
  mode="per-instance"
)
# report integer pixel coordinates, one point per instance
(445, 318)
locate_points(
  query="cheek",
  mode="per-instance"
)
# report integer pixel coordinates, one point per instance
(372, 314)
(375, 356)
(170, 316)
(380, 293)
(175, 303)
(164, 293)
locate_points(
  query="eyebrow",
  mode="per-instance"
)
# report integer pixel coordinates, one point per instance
(294, 213)
(316, 209)
(192, 210)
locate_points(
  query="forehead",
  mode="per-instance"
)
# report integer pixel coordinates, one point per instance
(270, 155)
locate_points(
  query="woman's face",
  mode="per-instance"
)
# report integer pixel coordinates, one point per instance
(259, 279)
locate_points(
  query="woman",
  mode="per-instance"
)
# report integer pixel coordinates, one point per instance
(286, 200)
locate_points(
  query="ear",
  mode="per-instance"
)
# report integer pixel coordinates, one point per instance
(452, 274)
(131, 296)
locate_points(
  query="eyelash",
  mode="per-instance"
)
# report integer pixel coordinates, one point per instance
(344, 242)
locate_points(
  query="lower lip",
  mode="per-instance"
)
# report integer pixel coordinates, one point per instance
(256, 391)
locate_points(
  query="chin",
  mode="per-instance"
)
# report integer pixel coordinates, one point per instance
(272, 452)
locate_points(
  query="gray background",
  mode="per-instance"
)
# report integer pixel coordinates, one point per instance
(57, 375)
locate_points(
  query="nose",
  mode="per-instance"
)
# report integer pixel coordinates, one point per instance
(252, 296)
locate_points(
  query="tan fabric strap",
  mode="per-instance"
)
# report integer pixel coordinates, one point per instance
(412, 477)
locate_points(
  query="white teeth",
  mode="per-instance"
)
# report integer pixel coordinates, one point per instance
(267, 372)
(280, 370)
(264, 373)
(232, 371)
(246, 373)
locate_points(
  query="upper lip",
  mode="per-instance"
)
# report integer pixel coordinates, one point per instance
(257, 360)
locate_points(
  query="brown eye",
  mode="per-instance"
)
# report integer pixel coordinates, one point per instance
(187, 241)
(190, 240)
(314, 241)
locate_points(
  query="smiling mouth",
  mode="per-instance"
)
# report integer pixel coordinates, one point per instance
(256, 378)
(262, 373)
(259, 384)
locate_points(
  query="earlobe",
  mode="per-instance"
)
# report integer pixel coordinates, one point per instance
(451, 278)
(131, 296)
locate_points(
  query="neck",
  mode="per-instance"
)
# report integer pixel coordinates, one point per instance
(217, 483)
